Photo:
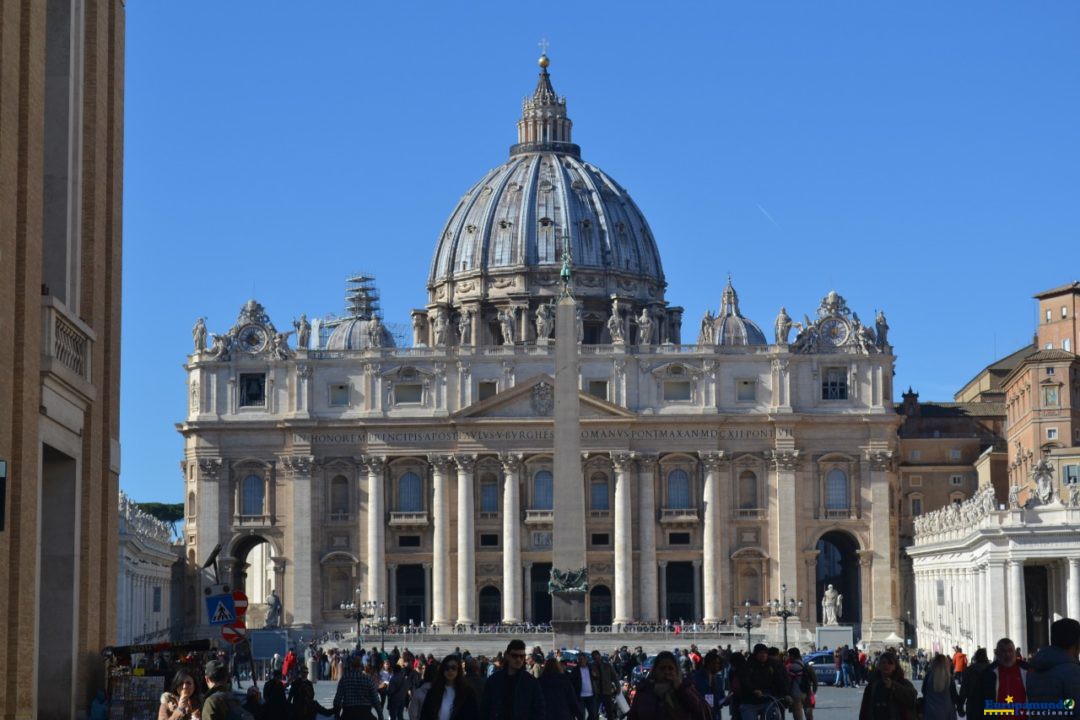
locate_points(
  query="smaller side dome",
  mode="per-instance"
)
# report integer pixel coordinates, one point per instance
(362, 328)
(730, 327)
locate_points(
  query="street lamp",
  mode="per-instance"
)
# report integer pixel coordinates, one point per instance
(376, 610)
(784, 608)
(352, 612)
(748, 621)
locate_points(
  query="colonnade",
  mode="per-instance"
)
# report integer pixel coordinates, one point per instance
(135, 611)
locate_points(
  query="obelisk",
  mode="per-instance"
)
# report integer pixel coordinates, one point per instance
(569, 580)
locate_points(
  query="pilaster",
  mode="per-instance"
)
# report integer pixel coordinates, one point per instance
(649, 610)
(302, 579)
(623, 464)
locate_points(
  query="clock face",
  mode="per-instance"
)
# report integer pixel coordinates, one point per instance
(252, 338)
(834, 331)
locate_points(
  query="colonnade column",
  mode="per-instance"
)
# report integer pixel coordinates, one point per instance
(466, 542)
(511, 596)
(648, 611)
(663, 589)
(376, 534)
(711, 567)
(298, 468)
(440, 547)
(697, 589)
(624, 542)
(1072, 588)
(996, 601)
(1017, 605)
(527, 605)
(427, 592)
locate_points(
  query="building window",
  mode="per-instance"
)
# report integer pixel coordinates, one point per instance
(677, 390)
(748, 494)
(956, 480)
(339, 495)
(408, 393)
(834, 385)
(679, 538)
(1051, 433)
(601, 539)
(915, 454)
(598, 495)
(678, 489)
(837, 497)
(408, 541)
(940, 588)
(957, 498)
(191, 504)
(410, 494)
(954, 454)
(1064, 311)
(1071, 474)
(1050, 396)
(915, 480)
(339, 395)
(157, 599)
(542, 490)
(486, 389)
(598, 388)
(745, 390)
(252, 389)
(489, 540)
(1066, 345)
(1049, 315)
(489, 497)
(1049, 371)
(252, 493)
(916, 506)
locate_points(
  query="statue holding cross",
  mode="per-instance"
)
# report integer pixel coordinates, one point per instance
(564, 274)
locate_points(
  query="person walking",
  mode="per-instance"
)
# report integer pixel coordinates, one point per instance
(511, 693)
(219, 703)
(603, 683)
(959, 664)
(971, 693)
(451, 696)
(888, 694)
(760, 677)
(940, 697)
(560, 703)
(1005, 678)
(356, 696)
(302, 696)
(709, 682)
(416, 703)
(1054, 670)
(801, 677)
(664, 695)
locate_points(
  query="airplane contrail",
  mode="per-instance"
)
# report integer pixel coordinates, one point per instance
(769, 217)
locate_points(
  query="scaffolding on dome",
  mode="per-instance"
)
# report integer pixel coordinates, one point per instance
(362, 301)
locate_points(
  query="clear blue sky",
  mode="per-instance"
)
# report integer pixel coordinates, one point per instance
(919, 157)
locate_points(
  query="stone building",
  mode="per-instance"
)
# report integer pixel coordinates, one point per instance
(61, 139)
(421, 476)
(146, 577)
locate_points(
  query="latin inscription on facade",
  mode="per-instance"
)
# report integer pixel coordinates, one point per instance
(538, 435)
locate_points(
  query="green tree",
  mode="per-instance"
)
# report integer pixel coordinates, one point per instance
(166, 512)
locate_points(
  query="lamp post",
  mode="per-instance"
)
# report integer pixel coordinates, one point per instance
(784, 608)
(376, 610)
(748, 621)
(352, 611)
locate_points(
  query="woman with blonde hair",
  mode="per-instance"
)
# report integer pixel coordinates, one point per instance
(940, 697)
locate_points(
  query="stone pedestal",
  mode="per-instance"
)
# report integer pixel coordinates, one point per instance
(568, 619)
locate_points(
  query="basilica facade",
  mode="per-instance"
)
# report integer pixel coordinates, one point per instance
(360, 467)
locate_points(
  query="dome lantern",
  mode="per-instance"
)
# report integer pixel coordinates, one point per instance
(544, 125)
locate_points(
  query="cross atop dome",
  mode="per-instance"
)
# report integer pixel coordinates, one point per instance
(544, 126)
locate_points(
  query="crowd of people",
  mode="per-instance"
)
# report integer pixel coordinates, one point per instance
(684, 684)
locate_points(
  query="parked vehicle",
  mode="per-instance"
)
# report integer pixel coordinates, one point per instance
(641, 671)
(824, 666)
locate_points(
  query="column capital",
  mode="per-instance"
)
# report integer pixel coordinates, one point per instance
(297, 464)
(647, 463)
(622, 461)
(465, 463)
(511, 462)
(880, 460)
(662, 563)
(696, 564)
(785, 460)
(711, 459)
(865, 557)
(210, 468)
(279, 565)
(427, 565)
(374, 464)
(440, 462)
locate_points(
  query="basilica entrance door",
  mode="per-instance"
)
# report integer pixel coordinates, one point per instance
(541, 599)
(1036, 590)
(490, 605)
(410, 594)
(680, 591)
(600, 605)
(838, 565)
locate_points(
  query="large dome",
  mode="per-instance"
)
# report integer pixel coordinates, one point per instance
(508, 232)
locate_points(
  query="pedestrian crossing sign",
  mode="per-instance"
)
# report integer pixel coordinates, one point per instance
(221, 609)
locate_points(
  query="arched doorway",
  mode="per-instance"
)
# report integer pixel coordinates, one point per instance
(538, 590)
(490, 605)
(600, 605)
(838, 565)
(410, 594)
(680, 591)
(253, 573)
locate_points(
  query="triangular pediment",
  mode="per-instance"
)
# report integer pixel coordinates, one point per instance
(535, 398)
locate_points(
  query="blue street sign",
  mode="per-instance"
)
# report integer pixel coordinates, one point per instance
(220, 609)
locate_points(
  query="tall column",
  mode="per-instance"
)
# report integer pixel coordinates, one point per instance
(427, 593)
(1017, 605)
(697, 590)
(440, 546)
(711, 567)
(996, 600)
(624, 541)
(663, 589)
(466, 542)
(648, 611)
(527, 609)
(1072, 600)
(391, 602)
(376, 538)
(298, 470)
(882, 544)
(784, 522)
(511, 512)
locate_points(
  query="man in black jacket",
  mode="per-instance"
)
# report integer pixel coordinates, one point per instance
(760, 677)
(512, 693)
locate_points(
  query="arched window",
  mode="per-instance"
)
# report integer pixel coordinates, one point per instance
(678, 489)
(748, 494)
(410, 493)
(543, 498)
(489, 494)
(339, 495)
(252, 494)
(190, 504)
(837, 496)
(598, 493)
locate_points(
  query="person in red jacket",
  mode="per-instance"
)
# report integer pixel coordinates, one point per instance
(288, 668)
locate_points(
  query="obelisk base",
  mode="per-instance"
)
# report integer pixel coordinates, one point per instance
(568, 619)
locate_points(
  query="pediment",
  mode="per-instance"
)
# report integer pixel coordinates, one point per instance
(535, 398)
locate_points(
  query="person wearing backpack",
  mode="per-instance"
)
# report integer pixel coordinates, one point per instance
(219, 703)
(802, 682)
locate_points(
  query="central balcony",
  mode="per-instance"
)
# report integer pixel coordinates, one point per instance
(679, 517)
(408, 519)
(539, 517)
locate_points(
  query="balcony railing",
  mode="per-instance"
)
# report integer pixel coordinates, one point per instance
(679, 516)
(749, 513)
(838, 514)
(490, 515)
(253, 520)
(67, 340)
(539, 517)
(336, 517)
(599, 513)
(408, 519)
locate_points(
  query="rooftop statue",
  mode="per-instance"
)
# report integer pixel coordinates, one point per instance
(198, 334)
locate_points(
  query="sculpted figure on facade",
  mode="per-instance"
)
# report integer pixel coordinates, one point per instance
(579, 322)
(1042, 474)
(614, 324)
(280, 347)
(464, 327)
(221, 346)
(782, 326)
(708, 326)
(1014, 497)
(544, 323)
(645, 327)
(507, 326)
(375, 332)
(418, 329)
(440, 328)
(1074, 495)
(832, 606)
(882, 329)
(303, 332)
(198, 335)
(273, 610)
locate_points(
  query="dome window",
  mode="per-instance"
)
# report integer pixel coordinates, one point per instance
(545, 221)
(503, 224)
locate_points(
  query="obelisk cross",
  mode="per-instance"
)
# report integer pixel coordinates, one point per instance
(543, 46)
(564, 274)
